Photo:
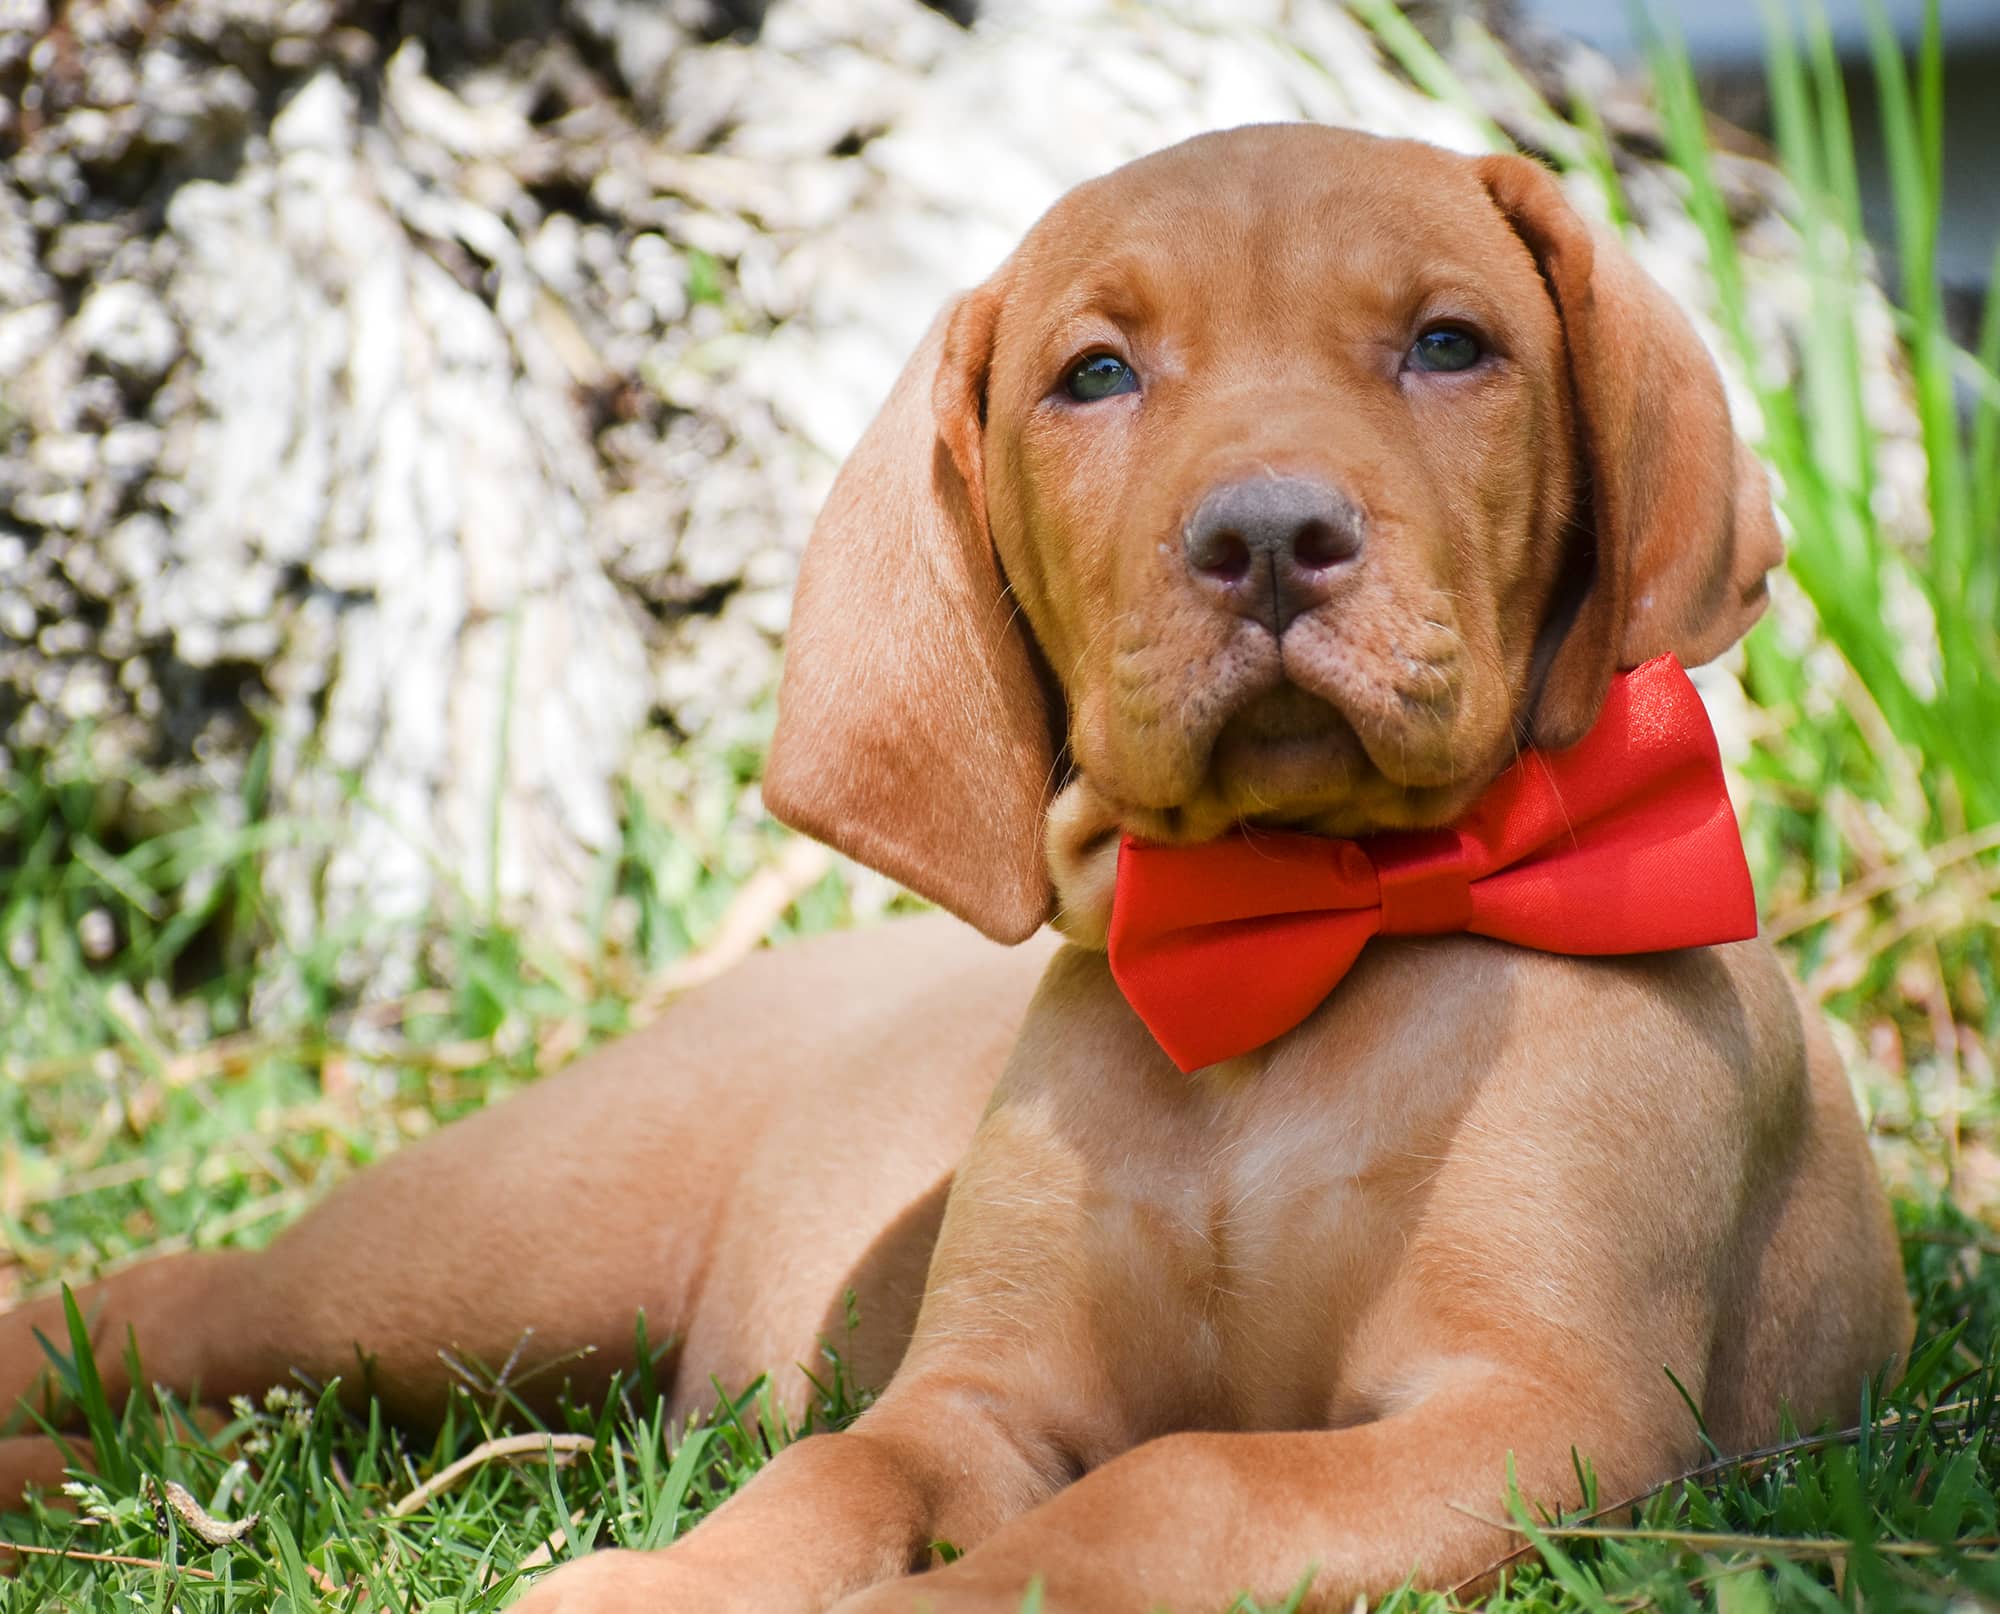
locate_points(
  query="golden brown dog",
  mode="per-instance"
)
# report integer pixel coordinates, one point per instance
(1287, 1317)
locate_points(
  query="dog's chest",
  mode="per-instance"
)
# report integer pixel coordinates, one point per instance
(1256, 1252)
(1224, 1239)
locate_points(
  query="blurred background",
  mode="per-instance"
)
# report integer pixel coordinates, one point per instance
(411, 415)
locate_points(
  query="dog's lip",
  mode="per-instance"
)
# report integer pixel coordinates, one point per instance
(1314, 729)
(1402, 727)
(1314, 755)
(1285, 715)
(1283, 753)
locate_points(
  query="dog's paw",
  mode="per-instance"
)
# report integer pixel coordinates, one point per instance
(939, 1592)
(616, 1583)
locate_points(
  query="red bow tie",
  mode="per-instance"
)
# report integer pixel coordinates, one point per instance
(1625, 843)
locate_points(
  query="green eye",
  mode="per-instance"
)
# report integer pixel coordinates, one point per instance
(1446, 347)
(1100, 375)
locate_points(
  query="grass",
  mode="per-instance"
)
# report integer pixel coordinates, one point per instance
(145, 1103)
(163, 1080)
(296, 1500)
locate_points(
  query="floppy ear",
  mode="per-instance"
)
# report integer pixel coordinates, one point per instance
(1678, 518)
(913, 732)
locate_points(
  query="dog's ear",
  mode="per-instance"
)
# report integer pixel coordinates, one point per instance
(913, 730)
(1678, 516)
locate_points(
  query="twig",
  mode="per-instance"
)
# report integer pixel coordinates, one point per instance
(758, 905)
(1955, 1241)
(1792, 1546)
(1951, 1595)
(118, 1558)
(1870, 886)
(204, 1526)
(393, 1011)
(236, 1053)
(323, 1583)
(71, 1184)
(1887, 1425)
(545, 1554)
(555, 1447)
(1836, 1549)
(229, 1055)
(1944, 1039)
(262, 1209)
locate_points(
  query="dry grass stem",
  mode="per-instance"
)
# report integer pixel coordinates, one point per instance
(754, 909)
(558, 1448)
(123, 1560)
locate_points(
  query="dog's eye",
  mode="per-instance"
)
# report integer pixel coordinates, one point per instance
(1099, 375)
(1446, 347)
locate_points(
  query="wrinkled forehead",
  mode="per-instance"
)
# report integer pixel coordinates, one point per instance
(1252, 223)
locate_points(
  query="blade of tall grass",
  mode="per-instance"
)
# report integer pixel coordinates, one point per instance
(1417, 57)
(1985, 435)
(113, 1460)
(1819, 440)
(1912, 127)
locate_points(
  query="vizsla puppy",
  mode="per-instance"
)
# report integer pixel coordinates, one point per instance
(1288, 478)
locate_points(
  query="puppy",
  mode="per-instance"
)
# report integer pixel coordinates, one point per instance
(1290, 481)
(1296, 479)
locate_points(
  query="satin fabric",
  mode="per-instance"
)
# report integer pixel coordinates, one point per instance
(1624, 843)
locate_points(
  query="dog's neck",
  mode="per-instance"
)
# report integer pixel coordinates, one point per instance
(1082, 841)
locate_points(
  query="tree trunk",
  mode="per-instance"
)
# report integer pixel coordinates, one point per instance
(445, 394)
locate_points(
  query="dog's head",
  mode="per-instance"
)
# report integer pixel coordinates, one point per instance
(1289, 477)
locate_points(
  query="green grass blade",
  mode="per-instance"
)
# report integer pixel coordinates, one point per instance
(1912, 139)
(1569, 1574)
(1598, 158)
(672, 1498)
(296, 1587)
(114, 1462)
(1984, 493)
(1430, 72)
(1836, 128)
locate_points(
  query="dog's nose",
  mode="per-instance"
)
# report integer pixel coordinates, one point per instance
(1272, 547)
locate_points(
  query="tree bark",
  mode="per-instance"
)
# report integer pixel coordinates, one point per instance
(445, 393)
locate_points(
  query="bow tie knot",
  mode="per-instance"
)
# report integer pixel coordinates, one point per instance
(1425, 882)
(1625, 843)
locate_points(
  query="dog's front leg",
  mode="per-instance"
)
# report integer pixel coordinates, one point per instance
(934, 1461)
(1189, 1521)
(1000, 1400)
